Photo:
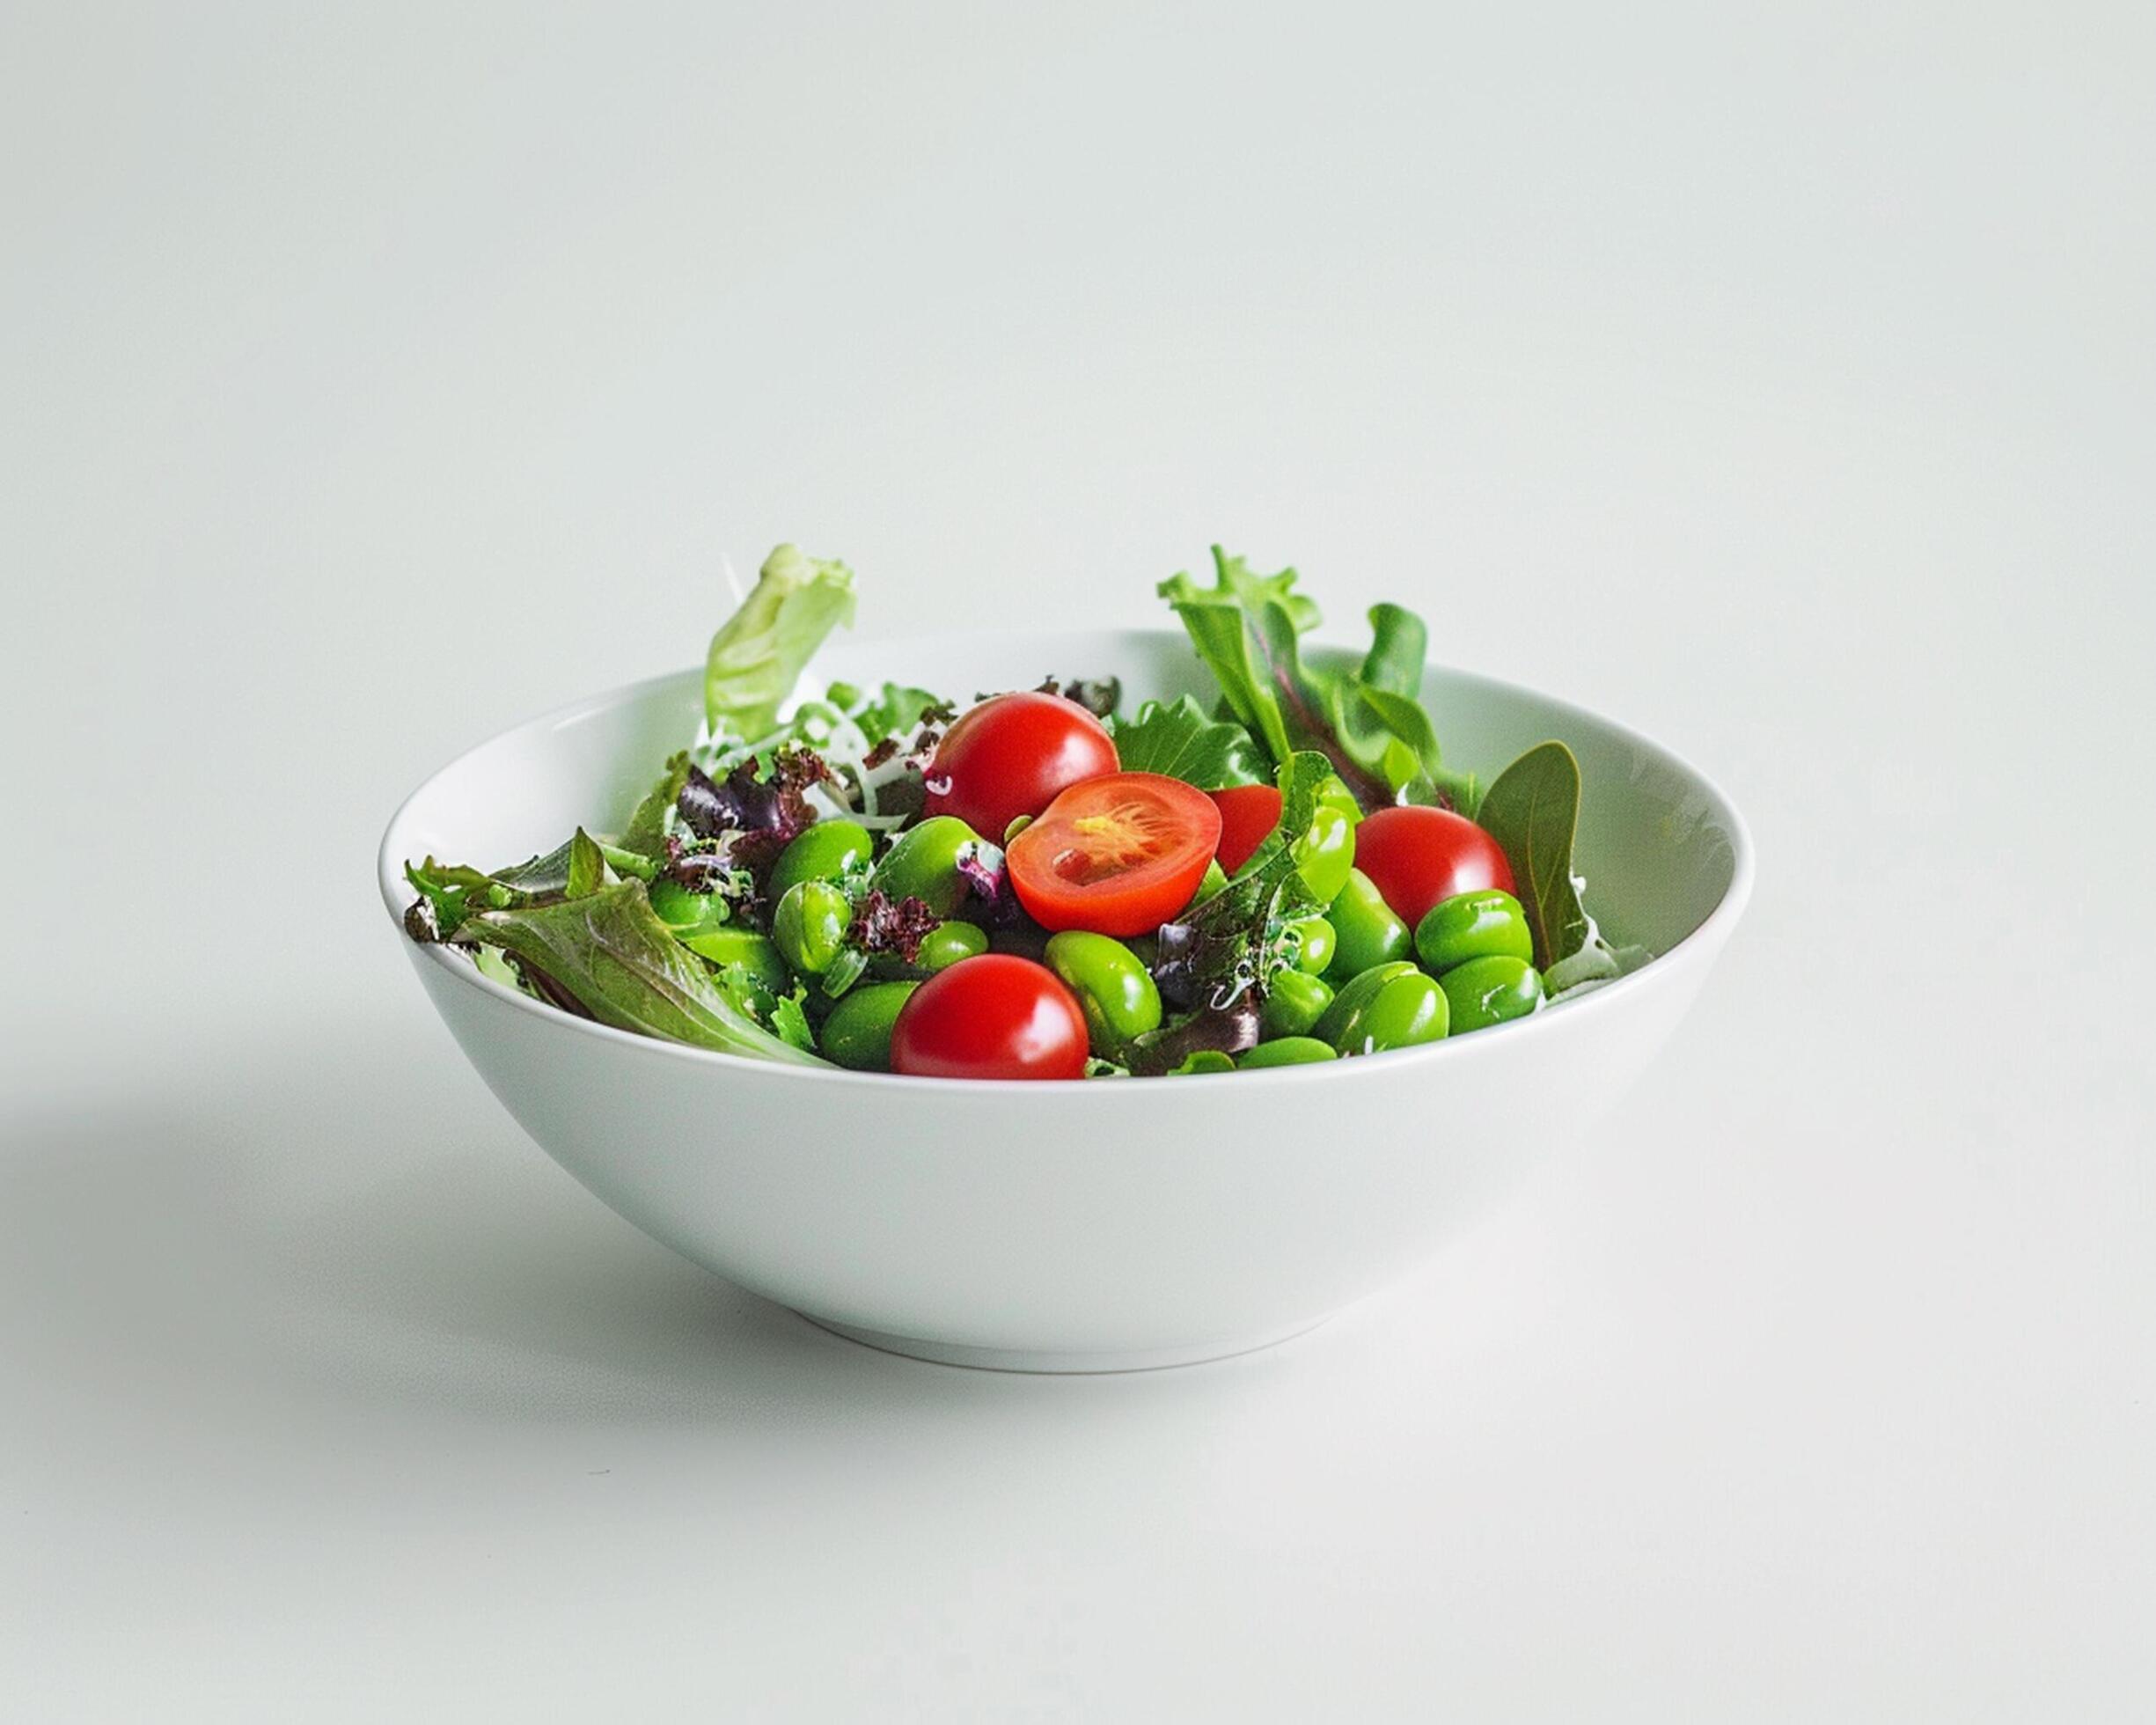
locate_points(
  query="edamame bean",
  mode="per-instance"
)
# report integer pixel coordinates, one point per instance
(1295, 1003)
(1400, 1012)
(1201, 1060)
(948, 942)
(822, 852)
(1287, 1050)
(924, 863)
(1486, 924)
(1116, 993)
(1334, 793)
(1318, 945)
(1368, 933)
(728, 943)
(809, 926)
(1325, 853)
(1488, 991)
(857, 1034)
(678, 909)
(1355, 994)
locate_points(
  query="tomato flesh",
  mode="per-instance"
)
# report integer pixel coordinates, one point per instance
(1248, 812)
(1418, 857)
(996, 1016)
(1009, 756)
(1119, 855)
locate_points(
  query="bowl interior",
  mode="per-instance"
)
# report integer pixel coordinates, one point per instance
(1659, 846)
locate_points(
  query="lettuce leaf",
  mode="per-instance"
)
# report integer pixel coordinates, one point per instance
(758, 654)
(611, 954)
(1533, 812)
(1182, 741)
(1369, 724)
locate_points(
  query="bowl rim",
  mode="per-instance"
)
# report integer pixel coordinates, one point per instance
(1696, 948)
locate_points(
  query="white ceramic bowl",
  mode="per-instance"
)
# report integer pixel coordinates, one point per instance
(1071, 1226)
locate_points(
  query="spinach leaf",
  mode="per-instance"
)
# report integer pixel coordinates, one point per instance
(758, 653)
(610, 953)
(1532, 809)
(1368, 723)
(1182, 741)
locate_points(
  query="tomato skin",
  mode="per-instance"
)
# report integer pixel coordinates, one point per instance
(996, 1016)
(1010, 754)
(1419, 856)
(1119, 855)
(1248, 812)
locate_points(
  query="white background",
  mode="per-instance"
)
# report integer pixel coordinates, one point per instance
(1783, 389)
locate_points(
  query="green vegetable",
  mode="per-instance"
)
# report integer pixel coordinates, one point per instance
(924, 863)
(1209, 883)
(1366, 930)
(680, 909)
(1182, 741)
(611, 955)
(857, 1034)
(825, 851)
(1473, 925)
(946, 944)
(1297, 1002)
(1287, 1050)
(1326, 852)
(1116, 993)
(645, 835)
(1355, 993)
(1369, 724)
(1404, 1010)
(1201, 1060)
(757, 655)
(809, 926)
(1483, 992)
(731, 946)
(1532, 809)
(1319, 943)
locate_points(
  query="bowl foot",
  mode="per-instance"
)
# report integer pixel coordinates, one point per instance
(1024, 1359)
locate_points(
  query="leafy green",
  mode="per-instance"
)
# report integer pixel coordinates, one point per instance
(1532, 809)
(645, 835)
(758, 654)
(610, 952)
(1181, 740)
(587, 871)
(1217, 960)
(1368, 723)
(895, 710)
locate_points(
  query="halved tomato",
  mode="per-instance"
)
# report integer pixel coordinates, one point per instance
(1119, 855)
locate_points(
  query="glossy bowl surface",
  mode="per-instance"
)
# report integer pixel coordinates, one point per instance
(1072, 1226)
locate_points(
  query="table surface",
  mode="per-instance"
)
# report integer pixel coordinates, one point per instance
(1783, 389)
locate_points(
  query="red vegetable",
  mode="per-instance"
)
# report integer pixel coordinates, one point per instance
(994, 1017)
(1010, 755)
(1248, 812)
(1417, 857)
(1119, 855)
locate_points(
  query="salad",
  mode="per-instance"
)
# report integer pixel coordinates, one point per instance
(1050, 882)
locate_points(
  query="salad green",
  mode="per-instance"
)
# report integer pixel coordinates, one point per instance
(1048, 884)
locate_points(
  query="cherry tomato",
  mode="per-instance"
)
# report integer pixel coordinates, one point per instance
(1417, 856)
(993, 1016)
(1248, 812)
(1118, 856)
(1010, 755)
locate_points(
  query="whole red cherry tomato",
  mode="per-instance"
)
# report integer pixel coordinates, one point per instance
(1010, 755)
(996, 1016)
(1118, 856)
(1418, 857)
(1248, 812)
